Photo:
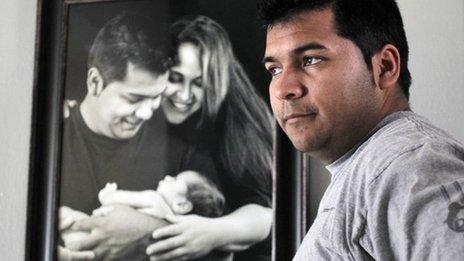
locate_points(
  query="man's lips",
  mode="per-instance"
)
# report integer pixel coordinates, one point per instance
(294, 117)
(131, 123)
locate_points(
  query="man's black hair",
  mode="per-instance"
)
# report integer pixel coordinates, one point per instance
(370, 24)
(127, 38)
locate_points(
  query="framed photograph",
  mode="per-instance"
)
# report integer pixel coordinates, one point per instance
(153, 136)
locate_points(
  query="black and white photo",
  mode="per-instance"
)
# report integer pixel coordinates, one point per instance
(166, 145)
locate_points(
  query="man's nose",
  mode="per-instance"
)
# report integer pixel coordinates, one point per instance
(156, 102)
(145, 110)
(288, 86)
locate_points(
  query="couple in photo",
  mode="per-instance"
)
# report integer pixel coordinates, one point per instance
(168, 156)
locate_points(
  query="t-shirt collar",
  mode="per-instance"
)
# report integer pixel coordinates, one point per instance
(336, 166)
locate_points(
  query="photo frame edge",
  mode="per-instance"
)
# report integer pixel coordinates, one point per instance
(43, 187)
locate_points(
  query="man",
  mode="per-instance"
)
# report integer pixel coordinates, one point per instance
(107, 139)
(340, 89)
(104, 135)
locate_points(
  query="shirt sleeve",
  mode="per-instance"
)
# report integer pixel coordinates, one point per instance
(248, 192)
(416, 209)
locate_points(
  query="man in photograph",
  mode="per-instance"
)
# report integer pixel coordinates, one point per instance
(105, 137)
(110, 137)
(340, 91)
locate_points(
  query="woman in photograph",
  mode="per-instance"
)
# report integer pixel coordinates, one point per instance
(211, 103)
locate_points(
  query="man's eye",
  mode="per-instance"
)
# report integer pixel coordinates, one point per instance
(309, 60)
(274, 70)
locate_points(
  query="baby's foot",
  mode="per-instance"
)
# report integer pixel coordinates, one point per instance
(108, 189)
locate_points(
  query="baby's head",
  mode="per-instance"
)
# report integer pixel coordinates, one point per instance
(190, 192)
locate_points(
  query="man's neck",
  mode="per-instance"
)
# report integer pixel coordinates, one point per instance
(337, 149)
(88, 115)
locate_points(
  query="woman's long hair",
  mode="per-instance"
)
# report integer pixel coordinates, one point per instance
(245, 146)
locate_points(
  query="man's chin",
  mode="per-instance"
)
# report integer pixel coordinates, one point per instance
(304, 144)
(125, 134)
(302, 147)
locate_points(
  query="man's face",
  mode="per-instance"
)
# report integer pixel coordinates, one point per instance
(124, 105)
(321, 90)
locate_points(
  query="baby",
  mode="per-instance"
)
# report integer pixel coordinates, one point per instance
(187, 193)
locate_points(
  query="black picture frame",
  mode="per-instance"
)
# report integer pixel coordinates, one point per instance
(291, 168)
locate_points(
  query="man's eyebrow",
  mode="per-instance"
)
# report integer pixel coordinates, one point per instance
(309, 46)
(267, 59)
(298, 50)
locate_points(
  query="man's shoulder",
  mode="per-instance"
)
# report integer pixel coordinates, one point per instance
(413, 170)
(405, 140)
(407, 132)
(74, 128)
(70, 122)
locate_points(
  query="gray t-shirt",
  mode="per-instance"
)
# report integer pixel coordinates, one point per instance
(396, 196)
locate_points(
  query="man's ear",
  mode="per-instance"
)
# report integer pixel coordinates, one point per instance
(94, 82)
(182, 207)
(386, 66)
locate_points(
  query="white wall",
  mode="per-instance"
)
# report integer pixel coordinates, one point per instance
(435, 32)
(17, 32)
(436, 35)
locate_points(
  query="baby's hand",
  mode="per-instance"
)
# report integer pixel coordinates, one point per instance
(108, 189)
